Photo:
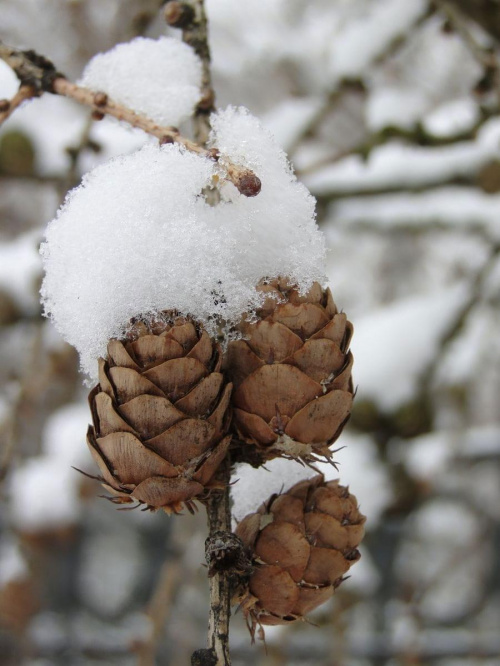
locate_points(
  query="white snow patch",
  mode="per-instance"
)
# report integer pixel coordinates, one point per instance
(289, 118)
(393, 345)
(9, 83)
(255, 486)
(400, 106)
(20, 268)
(137, 237)
(358, 468)
(159, 78)
(450, 206)
(12, 563)
(361, 41)
(44, 490)
(398, 164)
(453, 117)
(44, 495)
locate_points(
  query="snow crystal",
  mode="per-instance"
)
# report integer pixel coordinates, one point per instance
(159, 78)
(137, 237)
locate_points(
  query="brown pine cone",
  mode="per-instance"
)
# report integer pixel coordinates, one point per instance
(302, 543)
(160, 414)
(291, 372)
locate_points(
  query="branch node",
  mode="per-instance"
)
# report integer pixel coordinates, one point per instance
(100, 99)
(225, 554)
(204, 657)
(178, 14)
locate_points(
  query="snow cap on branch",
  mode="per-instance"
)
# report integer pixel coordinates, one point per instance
(159, 78)
(138, 237)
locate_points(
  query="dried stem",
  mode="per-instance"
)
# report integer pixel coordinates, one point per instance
(40, 75)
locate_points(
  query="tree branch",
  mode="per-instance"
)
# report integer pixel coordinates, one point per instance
(9, 106)
(38, 73)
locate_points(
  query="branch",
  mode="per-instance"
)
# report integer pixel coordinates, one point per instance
(9, 106)
(416, 135)
(41, 76)
(483, 12)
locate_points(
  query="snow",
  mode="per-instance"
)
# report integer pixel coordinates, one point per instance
(452, 117)
(136, 237)
(398, 164)
(361, 42)
(20, 267)
(451, 207)
(289, 118)
(44, 489)
(13, 566)
(159, 78)
(359, 468)
(393, 345)
(9, 83)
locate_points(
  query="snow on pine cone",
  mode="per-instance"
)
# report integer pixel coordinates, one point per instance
(160, 414)
(302, 543)
(291, 372)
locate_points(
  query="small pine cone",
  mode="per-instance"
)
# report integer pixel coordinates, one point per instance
(291, 372)
(160, 414)
(302, 543)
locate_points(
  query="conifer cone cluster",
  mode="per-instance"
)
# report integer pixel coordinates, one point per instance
(302, 544)
(160, 414)
(291, 372)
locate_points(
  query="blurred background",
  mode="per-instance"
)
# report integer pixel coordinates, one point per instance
(390, 113)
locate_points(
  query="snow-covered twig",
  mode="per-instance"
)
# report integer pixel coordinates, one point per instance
(38, 73)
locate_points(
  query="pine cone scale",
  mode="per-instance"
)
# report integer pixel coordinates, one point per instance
(316, 422)
(132, 461)
(271, 385)
(188, 438)
(151, 415)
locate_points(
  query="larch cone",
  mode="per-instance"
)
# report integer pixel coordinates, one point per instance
(302, 543)
(160, 414)
(291, 372)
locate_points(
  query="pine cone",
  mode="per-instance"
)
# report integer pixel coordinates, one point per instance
(302, 543)
(292, 380)
(160, 413)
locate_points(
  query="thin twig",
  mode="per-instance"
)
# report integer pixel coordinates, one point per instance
(9, 106)
(40, 74)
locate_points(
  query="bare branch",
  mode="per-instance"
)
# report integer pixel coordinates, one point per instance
(9, 106)
(41, 76)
